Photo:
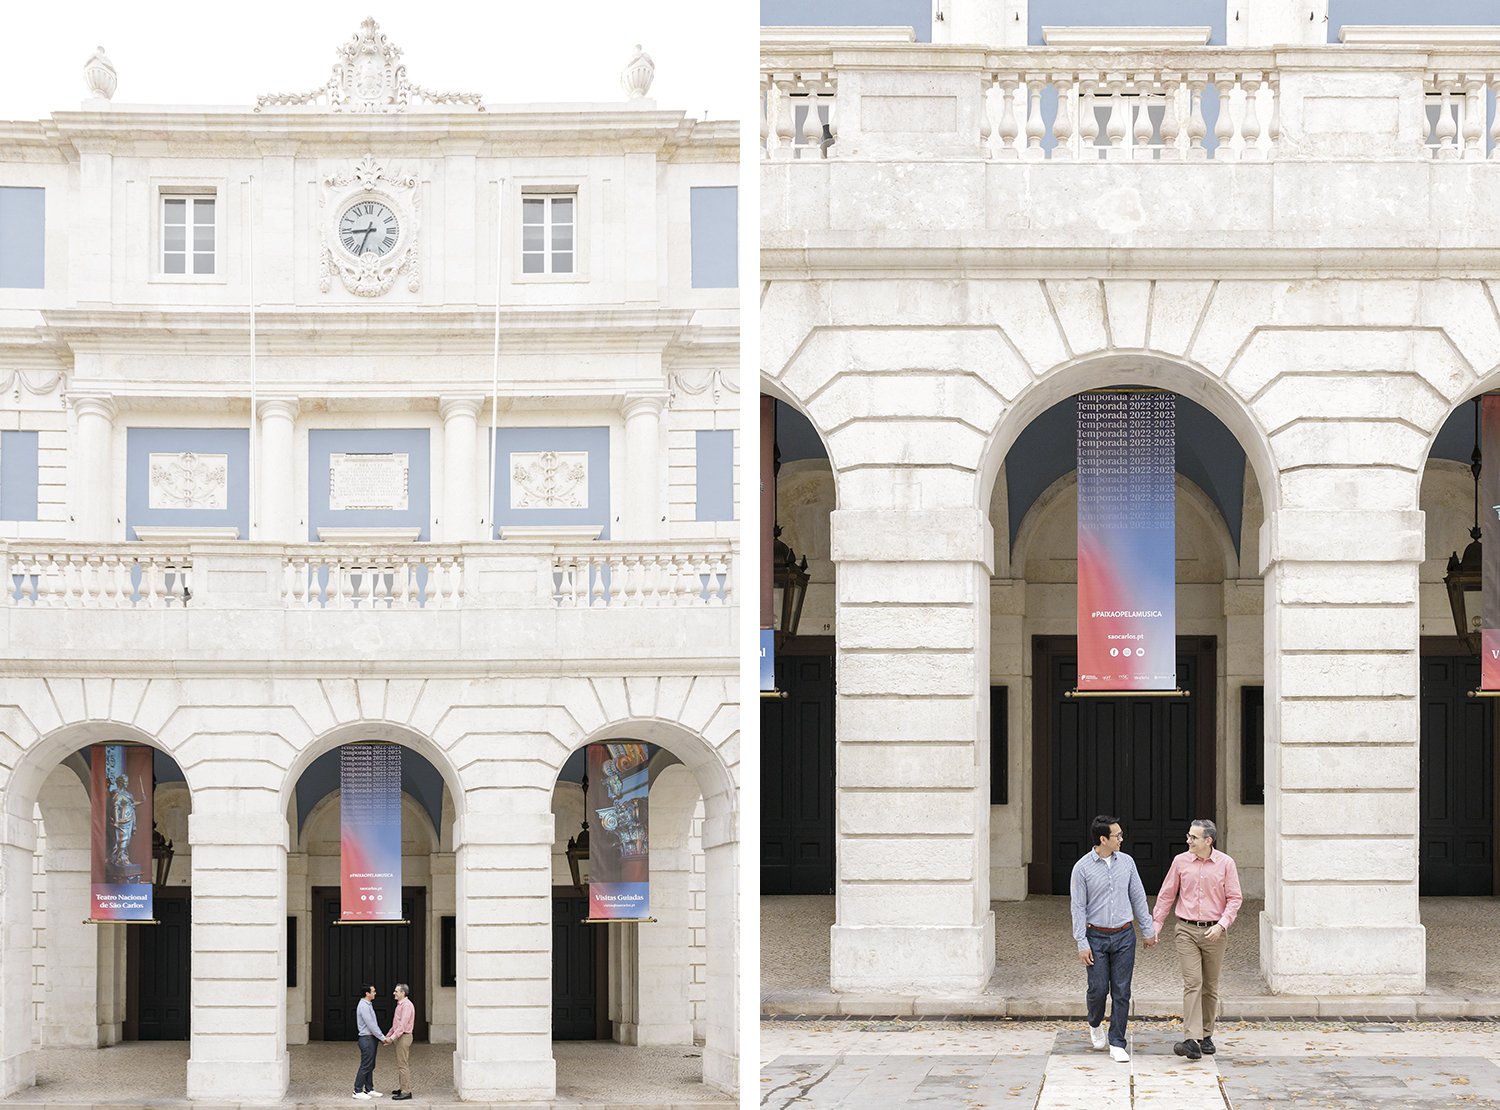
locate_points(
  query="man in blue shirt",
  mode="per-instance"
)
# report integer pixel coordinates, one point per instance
(370, 1037)
(1107, 894)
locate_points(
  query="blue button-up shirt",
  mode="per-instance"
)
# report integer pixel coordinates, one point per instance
(1109, 894)
(364, 1018)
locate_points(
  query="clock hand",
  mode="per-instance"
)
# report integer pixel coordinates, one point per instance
(365, 241)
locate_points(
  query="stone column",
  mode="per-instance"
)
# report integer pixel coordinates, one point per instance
(1342, 753)
(17, 1062)
(460, 515)
(721, 1039)
(70, 1014)
(91, 477)
(645, 478)
(238, 1043)
(277, 516)
(503, 878)
(912, 889)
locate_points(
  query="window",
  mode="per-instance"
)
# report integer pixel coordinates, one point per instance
(547, 224)
(447, 951)
(22, 247)
(714, 479)
(1253, 745)
(18, 475)
(187, 234)
(999, 746)
(714, 211)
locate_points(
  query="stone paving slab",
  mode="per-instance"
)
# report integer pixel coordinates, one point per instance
(1361, 1083)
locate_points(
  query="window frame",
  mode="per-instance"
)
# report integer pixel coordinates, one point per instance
(189, 191)
(549, 251)
(549, 189)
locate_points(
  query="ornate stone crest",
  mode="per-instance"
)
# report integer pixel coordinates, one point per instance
(549, 480)
(369, 76)
(188, 481)
(388, 200)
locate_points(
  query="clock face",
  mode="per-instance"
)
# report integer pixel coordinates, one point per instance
(369, 227)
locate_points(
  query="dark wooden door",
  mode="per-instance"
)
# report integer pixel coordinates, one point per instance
(796, 799)
(159, 970)
(1457, 846)
(580, 970)
(347, 957)
(1141, 759)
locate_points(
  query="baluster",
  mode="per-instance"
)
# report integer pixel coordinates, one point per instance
(619, 593)
(718, 582)
(629, 593)
(1274, 129)
(1115, 129)
(1250, 129)
(122, 588)
(1474, 115)
(583, 570)
(598, 581)
(986, 113)
(1171, 121)
(833, 118)
(1035, 128)
(656, 581)
(767, 100)
(786, 110)
(380, 592)
(288, 583)
(1143, 129)
(153, 583)
(1447, 126)
(70, 578)
(1062, 126)
(407, 589)
(1224, 124)
(50, 582)
(812, 129)
(1007, 128)
(704, 586)
(184, 580)
(1197, 127)
(728, 588)
(1088, 122)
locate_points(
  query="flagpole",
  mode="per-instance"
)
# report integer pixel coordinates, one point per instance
(491, 532)
(252, 485)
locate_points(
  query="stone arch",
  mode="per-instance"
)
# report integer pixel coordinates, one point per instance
(50, 749)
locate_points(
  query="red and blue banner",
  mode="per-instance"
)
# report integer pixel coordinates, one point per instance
(120, 832)
(1127, 540)
(370, 832)
(619, 849)
(1489, 516)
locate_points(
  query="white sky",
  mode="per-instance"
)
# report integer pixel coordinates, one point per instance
(506, 50)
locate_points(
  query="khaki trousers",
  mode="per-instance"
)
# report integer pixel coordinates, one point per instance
(1201, 960)
(403, 1062)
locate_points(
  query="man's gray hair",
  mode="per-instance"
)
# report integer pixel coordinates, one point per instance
(404, 989)
(1210, 830)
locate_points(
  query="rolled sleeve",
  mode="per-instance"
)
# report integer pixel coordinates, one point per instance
(1167, 898)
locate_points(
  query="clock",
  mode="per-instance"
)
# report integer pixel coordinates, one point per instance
(369, 229)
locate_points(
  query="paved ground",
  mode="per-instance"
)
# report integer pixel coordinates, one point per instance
(599, 1076)
(1048, 1065)
(1038, 975)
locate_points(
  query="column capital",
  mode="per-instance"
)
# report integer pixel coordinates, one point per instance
(93, 404)
(453, 405)
(636, 404)
(284, 408)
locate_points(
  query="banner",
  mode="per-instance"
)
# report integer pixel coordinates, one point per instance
(1127, 541)
(1489, 538)
(619, 851)
(370, 832)
(767, 543)
(120, 832)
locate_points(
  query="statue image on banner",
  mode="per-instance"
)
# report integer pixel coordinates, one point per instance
(120, 856)
(620, 855)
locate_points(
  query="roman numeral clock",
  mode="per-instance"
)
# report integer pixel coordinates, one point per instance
(369, 229)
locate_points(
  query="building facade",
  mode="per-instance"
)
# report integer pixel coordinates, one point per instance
(1287, 219)
(371, 413)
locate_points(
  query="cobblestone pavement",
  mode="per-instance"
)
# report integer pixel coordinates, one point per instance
(596, 1075)
(1048, 1065)
(1035, 963)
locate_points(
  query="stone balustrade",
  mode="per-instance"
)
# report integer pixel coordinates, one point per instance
(634, 575)
(84, 576)
(421, 576)
(1458, 106)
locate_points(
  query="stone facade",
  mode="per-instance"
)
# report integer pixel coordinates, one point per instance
(943, 262)
(253, 609)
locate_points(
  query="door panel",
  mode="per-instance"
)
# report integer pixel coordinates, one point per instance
(797, 779)
(1458, 780)
(162, 974)
(347, 957)
(579, 964)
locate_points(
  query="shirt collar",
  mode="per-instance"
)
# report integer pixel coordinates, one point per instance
(1214, 856)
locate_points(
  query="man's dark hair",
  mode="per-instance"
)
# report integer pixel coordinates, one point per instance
(1100, 827)
(368, 989)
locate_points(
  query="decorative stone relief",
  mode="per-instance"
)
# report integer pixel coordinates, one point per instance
(187, 481)
(369, 481)
(638, 74)
(369, 274)
(99, 74)
(714, 382)
(549, 480)
(368, 76)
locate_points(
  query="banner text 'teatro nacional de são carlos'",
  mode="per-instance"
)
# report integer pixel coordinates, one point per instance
(120, 833)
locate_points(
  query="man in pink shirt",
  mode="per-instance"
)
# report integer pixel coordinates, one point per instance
(1205, 885)
(400, 1034)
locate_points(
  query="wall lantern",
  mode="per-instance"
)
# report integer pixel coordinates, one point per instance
(161, 853)
(1465, 577)
(578, 847)
(790, 577)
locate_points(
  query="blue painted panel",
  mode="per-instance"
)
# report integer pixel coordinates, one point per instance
(1125, 13)
(1404, 13)
(22, 237)
(715, 235)
(593, 440)
(413, 442)
(18, 475)
(140, 443)
(715, 473)
(916, 14)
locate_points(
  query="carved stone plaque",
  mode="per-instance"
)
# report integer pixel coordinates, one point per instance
(368, 481)
(186, 480)
(549, 480)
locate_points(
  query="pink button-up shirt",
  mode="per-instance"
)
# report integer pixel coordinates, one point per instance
(1204, 890)
(404, 1019)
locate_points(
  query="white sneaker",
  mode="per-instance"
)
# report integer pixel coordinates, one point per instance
(1099, 1035)
(1118, 1054)
(361, 1094)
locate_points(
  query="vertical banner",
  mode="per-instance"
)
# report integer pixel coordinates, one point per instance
(1489, 538)
(619, 850)
(1127, 541)
(767, 543)
(120, 832)
(370, 832)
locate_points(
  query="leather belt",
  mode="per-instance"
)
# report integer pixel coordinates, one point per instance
(1200, 924)
(1116, 929)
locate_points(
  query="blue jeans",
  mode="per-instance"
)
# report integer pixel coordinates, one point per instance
(1114, 964)
(365, 1077)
